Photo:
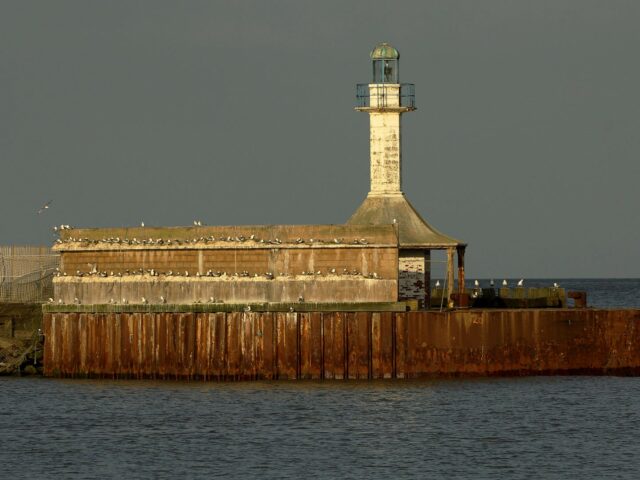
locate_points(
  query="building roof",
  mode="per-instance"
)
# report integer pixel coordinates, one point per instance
(384, 51)
(414, 231)
(233, 236)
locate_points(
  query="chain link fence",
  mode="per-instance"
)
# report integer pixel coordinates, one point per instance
(26, 273)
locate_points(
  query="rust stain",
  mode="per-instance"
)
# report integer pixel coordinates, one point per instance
(340, 345)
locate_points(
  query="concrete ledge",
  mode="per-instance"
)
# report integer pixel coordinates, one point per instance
(227, 307)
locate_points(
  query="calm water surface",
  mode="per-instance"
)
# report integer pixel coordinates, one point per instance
(535, 427)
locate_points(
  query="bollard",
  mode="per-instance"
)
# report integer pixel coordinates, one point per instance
(579, 299)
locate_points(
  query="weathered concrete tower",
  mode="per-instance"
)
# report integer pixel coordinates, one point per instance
(385, 99)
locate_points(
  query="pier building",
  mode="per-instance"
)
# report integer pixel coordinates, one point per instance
(381, 255)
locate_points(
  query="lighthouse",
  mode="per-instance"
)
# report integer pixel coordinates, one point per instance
(385, 100)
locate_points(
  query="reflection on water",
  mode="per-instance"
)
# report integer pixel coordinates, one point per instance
(542, 427)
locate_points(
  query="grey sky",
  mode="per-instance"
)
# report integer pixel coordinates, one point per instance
(525, 143)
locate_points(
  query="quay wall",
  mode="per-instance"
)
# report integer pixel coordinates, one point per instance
(238, 345)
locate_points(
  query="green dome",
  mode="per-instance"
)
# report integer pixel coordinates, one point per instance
(384, 51)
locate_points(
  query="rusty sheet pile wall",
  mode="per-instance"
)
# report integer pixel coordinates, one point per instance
(341, 345)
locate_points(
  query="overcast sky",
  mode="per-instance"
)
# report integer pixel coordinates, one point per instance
(525, 144)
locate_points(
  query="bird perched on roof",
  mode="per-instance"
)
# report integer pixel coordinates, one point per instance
(44, 207)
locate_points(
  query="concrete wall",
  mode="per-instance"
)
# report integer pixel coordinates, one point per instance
(321, 263)
(244, 290)
(284, 260)
(337, 345)
(20, 320)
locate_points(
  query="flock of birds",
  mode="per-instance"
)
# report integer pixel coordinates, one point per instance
(94, 272)
(162, 300)
(505, 284)
(199, 240)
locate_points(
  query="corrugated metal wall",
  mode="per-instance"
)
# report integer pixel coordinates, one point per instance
(341, 345)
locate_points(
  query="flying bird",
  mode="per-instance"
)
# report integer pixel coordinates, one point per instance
(437, 283)
(45, 207)
(504, 283)
(521, 282)
(476, 283)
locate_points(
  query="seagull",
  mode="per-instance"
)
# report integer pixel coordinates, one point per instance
(50, 300)
(76, 300)
(521, 282)
(437, 283)
(60, 301)
(301, 298)
(504, 283)
(197, 223)
(142, 224)
(395, 221)
(476, 283)
(144, 300)
(247, 308)
(555, 285)
(44, 207)
(162, 299)
(291, 309)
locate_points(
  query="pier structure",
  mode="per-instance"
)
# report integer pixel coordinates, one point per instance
(385, 99)
(310, 302)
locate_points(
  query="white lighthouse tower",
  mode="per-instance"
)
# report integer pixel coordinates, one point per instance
(385, 99)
